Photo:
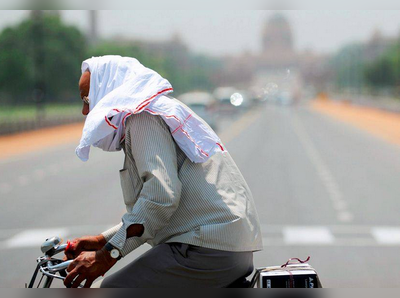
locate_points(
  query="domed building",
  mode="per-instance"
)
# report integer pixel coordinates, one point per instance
(277, 44)
(276, 58)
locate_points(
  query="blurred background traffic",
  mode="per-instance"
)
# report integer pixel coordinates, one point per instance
(40, 54)
(307, 102)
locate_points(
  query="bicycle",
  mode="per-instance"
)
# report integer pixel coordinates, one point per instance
(53, 268)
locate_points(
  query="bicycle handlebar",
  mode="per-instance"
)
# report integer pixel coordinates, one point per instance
(49, 266)
(57, 250)
(59, 267)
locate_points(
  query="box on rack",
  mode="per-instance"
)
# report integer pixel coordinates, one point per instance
(289, 275)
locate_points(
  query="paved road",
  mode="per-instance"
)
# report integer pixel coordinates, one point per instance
(322, 188)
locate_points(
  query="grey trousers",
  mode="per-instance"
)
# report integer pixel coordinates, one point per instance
(177, 265)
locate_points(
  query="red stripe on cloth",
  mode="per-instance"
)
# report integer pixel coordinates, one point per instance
(197, 146)
(167, 116)
(187, 118)
(124, 119)
(220, 146)
(173, 116)
(109, 123)
(146, 102)
(139, 107)
(138, 110)
(151, 112)
(180, 126)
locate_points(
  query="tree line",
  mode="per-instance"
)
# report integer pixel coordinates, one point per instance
(384, 73)
(358, 72)
(40, 59)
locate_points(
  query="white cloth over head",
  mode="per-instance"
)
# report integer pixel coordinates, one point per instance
(121, 87)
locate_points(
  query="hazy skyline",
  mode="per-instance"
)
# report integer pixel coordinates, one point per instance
(232, 32)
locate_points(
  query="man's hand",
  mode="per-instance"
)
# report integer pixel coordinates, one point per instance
(88, 266)
(88, 243)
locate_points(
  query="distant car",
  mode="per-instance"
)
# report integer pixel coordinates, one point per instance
(247, 99)
(203, 104)
(223, 96)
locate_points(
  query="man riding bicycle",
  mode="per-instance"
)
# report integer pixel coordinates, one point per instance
(183, 192)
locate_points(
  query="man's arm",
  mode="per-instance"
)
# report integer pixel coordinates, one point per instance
(132, 231)
(154, 152)
(111, 232)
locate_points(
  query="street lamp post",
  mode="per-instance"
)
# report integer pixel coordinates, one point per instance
(38, 63)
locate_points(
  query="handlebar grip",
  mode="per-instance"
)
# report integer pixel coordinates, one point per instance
(59, 267)
(61, 248)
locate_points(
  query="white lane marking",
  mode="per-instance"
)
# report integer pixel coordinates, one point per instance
(326, 176)
(308, 235)
(337, 229)
(33, 238)
(352, 242)
(386, 235)
(5, 188)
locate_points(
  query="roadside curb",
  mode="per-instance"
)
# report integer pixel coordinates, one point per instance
(380, 123)
(26, 142)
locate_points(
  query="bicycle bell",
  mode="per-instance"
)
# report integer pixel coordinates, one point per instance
(50, 244)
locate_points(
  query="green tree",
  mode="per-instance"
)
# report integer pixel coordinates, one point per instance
(62, 50)
(348, 65)
(384, 73)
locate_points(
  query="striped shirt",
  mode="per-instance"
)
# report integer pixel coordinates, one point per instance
(204, 204)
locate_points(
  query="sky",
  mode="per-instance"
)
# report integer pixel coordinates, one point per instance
(230, 32)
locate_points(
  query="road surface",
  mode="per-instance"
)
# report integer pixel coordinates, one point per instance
(322, 187)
